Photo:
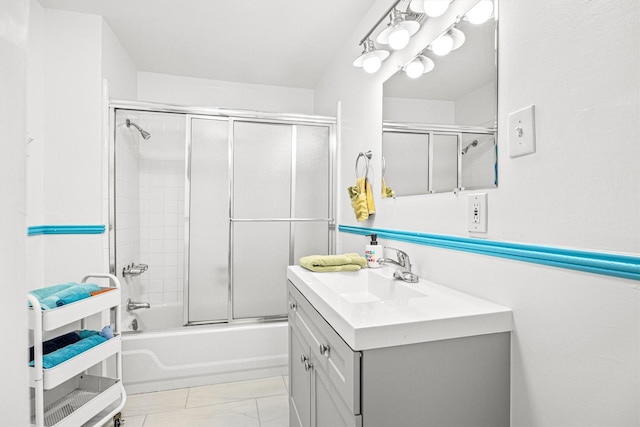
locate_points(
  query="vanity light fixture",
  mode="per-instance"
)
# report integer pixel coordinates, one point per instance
(435, 8)
(450, 40)
(419, 66)
(442, 45)
(458, 38)
(398, 32)
(481, 12)
(371, 58)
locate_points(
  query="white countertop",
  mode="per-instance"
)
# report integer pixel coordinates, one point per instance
(369, 309)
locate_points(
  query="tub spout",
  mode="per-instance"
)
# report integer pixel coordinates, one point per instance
(132, 305)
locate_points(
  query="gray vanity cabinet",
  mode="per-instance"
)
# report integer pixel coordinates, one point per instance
(450, 382)
(324, 373)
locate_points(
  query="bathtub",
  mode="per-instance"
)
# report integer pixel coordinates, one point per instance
(179, 357)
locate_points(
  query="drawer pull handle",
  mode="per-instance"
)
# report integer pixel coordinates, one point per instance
(324, 349)
(304, 359)
(292, 306)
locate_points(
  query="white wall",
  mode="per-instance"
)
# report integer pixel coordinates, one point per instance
(35, 149)
(14, 23)
(168, 89)
(117, 67)
(70, 54)
(576, 342)
(418, 110)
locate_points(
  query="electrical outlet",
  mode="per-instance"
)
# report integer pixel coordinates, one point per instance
(477, 213)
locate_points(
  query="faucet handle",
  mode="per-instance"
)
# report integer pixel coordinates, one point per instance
(403, 257)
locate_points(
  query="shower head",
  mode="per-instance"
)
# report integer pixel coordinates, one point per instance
(474, 143)
(144, 133)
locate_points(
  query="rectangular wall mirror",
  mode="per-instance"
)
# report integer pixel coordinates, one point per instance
(439, 129)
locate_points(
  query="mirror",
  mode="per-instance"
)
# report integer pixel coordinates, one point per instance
(439, 130)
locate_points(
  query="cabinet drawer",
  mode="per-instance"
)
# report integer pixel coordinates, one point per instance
(327, 349)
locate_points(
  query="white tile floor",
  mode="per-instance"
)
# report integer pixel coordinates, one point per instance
(254, 403)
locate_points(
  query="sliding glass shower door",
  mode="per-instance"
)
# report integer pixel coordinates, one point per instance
(207, 234)
(259, 198)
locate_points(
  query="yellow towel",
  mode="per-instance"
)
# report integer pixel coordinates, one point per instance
(358, 197)
(370, 206)
(330, 263)
(386, 191)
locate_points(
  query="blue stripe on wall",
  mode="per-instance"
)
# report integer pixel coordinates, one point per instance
(624, 266)
(65, 229)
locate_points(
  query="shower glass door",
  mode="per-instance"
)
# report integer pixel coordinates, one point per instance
(259, 200)
(208, 177)
(262, 155)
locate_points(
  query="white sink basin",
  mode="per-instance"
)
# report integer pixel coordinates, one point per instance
(372, 287)
(370, 309)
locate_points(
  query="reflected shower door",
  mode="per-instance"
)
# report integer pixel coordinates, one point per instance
(208, 253)
(444, 163)
(406, 159)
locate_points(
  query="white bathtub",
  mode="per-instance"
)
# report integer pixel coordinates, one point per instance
(199, 355)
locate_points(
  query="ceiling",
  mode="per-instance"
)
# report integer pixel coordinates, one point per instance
(275, 42)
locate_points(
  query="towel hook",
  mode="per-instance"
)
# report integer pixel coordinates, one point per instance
(366, 155)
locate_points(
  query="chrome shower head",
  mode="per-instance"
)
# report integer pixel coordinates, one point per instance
(472, 144)
(144, 133)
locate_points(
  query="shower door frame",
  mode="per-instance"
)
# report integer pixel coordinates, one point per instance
(231, 116)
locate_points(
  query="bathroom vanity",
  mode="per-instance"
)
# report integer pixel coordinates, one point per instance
(369, 350)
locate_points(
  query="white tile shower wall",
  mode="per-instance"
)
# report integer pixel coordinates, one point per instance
(162, 175)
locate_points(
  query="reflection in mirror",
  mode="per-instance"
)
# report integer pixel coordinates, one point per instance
(403, 154)
(479, 161)
(439, 130)
(444, 162)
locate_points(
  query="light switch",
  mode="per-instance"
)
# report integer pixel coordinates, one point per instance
(522, 132)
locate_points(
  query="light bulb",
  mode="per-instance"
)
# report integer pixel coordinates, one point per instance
(442, 45)
(398, 37)
(419, 66)
(435, 8)
(371, 64)
(480, 12)
(414, 69)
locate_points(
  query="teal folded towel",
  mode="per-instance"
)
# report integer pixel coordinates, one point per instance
(86, 333)
(43, 293)
(58, 295)
(76, 295)
(62, 355)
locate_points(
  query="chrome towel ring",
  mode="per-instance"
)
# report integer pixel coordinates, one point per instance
(366, 156)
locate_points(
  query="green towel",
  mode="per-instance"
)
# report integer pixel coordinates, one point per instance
(330, 263)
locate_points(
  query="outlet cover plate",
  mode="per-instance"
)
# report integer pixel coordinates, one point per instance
(477, 213)
(522, 132)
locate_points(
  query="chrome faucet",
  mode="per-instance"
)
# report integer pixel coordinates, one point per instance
(401, 267)
(132, 305)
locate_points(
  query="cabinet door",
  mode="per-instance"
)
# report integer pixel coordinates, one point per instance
(328, 408)
(299, 380)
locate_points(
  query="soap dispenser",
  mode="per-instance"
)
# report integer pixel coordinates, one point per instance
(373, 252)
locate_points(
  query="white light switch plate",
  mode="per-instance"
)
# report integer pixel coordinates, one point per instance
(522, 132)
